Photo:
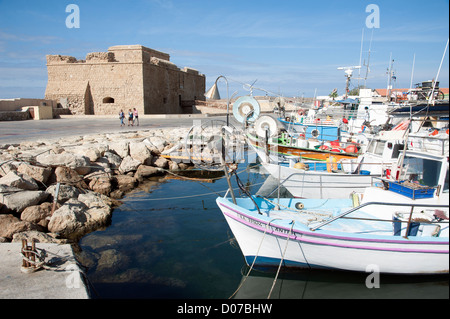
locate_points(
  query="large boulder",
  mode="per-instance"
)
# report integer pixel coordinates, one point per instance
(38, 214)
(6, 167)
(141, 153)
(145, 171)
(129, 164)
(10, 225)
(40, 174)
(90, 152)
(156, 143)
(160, 162)
(120, 148)
(69, 220)
(77, 162)
(67, 175)
(65, 192)
(18, 180)
(18, 201)
(125, 183)
(101, 184)
(112, 159)
(81, 216)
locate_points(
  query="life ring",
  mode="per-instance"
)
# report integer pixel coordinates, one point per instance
(315, 133)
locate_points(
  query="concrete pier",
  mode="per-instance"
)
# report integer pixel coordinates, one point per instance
(63, 279)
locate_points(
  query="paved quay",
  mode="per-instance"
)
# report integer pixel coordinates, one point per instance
(62, 279)
(33, 130)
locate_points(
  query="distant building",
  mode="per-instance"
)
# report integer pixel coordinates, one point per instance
(414, 93)
(128, 76)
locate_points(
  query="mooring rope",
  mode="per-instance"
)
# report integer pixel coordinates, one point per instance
(281, 261)
(254, 260)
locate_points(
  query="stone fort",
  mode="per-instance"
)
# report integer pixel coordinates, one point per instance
(128, 76)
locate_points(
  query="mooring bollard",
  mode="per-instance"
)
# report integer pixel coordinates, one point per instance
(29, 253)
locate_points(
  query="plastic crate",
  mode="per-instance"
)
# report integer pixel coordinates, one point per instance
(423, 192)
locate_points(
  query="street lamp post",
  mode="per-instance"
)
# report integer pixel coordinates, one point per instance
(213, 93)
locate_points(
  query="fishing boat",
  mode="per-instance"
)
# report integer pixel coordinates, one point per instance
(322, 129)
(305, 177)
(312, 149)
(395, 227)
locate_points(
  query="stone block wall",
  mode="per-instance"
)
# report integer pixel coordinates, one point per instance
(125, 77)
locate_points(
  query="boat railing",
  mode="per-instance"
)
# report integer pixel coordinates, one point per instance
(428, 143)
(411, 205)
(321, 181)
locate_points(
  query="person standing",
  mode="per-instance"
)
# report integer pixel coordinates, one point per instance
(121, 117)
(136, 116)
(366, 117)
(130, 117)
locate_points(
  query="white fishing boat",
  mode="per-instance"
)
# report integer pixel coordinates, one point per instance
(392, 228)
(336, 176)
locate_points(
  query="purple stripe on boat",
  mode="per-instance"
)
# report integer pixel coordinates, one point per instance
(318, 242)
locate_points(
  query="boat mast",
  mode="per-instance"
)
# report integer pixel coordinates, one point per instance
(389, 86)
(368, 61)
(360, 56)
(431, 98)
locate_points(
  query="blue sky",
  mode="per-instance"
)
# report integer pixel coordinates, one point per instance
(286, 46)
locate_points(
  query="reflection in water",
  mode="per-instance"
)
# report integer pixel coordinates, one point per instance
(318, 284)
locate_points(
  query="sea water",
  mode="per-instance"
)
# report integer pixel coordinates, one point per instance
(169, 240)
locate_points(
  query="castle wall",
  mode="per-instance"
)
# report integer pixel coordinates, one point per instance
(95, 86)
(124, 77)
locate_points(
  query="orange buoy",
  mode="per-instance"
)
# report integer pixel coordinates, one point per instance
(351, 149)
(335, 143)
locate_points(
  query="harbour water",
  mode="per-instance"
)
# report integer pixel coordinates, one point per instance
(169, 240)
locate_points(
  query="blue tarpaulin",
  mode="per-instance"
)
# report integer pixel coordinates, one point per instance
(348, 101)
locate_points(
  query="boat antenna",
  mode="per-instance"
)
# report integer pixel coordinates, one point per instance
(389, 73)
(360, 55)
(410, 86)
(368, 61)
(431, 98)
(348, 74)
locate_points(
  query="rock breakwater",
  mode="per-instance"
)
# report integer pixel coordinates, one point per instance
(57, 191)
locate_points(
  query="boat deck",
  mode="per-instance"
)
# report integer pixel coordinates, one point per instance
(312, 212)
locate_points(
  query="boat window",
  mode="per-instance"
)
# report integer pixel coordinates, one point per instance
(398, 148)
(371, 146)
(380, 147)
(424, 171)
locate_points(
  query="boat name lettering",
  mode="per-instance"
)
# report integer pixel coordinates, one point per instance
(249, 220)
(263, 225)
(280, 230)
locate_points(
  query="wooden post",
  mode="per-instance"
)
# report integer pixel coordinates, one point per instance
(24, 247)
(32, 255)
